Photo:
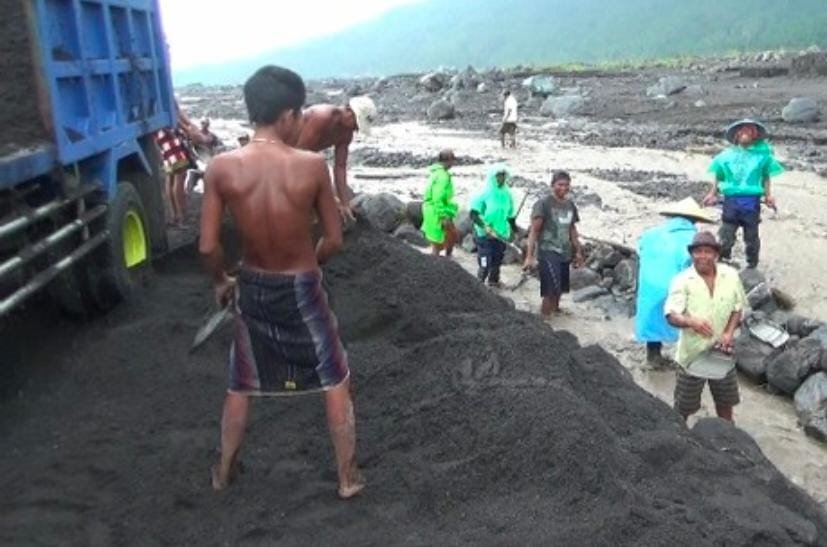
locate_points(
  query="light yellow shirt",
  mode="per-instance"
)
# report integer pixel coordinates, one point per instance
(689, 294)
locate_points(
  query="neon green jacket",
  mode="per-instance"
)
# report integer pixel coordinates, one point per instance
(495, 204)
(438, 203)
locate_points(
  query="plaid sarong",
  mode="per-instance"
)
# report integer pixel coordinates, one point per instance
(286, 336)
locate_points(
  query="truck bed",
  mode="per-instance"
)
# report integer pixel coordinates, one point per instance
(20, 123)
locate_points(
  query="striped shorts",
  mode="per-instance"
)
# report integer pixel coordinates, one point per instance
(286, 336)
(688, 391)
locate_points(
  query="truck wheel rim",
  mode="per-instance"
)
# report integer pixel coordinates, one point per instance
(134, 239)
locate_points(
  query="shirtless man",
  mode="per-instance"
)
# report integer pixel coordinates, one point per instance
(326, 125)
(286, 340)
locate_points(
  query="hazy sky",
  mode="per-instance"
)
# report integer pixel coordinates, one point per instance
(202, 32)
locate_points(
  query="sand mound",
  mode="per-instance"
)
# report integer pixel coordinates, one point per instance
(477, 424)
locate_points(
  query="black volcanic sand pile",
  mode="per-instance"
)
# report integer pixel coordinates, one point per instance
(19, 117)
(477, 424)
(654, 184)
(373, 157)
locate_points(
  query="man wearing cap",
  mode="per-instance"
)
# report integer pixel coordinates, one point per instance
(327, 125)
(663, 255)
(742, 176)
(705, 302)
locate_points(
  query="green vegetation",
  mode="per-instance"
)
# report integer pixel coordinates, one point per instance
(488, 33)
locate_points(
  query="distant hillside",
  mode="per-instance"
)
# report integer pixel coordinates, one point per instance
(487, 33)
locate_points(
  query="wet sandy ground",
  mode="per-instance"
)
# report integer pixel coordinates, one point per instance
(794, 253)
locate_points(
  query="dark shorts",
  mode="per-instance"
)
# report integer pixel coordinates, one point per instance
(743, 211)
(286, 336)
(554, 273)
(688, 391)
(508, 128)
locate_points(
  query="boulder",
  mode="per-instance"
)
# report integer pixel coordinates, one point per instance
(464, 223)
(752, 356)
(750, 278)
(801, 326)
(482, 87)
(811, 406)
(413, 213)
(410, 234)
(433, 81)
(820, 335)
(583, 277)
(625, 275)
(759, 295)
(383, 211)
(469, 243)
(441, 110)
(539, 85)
(604, 256)
(588, 293)
(512, 256)
(668, 85)
(801, 110)
(562, 106)
(787, 370)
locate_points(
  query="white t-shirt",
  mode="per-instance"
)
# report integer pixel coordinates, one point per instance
(510, 109)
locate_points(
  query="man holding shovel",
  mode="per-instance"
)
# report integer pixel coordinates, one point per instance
(286, 337)
(705, 303)
(492, 212)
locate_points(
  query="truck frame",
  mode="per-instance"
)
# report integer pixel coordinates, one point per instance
(81, 210)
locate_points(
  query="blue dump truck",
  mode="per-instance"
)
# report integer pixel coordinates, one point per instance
(84, 85)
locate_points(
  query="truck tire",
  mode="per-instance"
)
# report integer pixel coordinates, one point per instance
(121, 264)
(71, 292)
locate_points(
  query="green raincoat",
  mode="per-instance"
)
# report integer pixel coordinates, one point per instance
(741, 171)
(438, 203)
(495, 204)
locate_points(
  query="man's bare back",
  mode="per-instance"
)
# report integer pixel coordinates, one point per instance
(272, 191)
(326, 125)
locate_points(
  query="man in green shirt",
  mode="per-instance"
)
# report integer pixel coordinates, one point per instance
(553, 242)
(705, 302)
(438, 206)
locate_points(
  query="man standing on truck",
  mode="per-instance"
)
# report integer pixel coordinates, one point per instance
(286, 338)
(327, 125)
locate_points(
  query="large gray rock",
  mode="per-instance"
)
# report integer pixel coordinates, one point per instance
(410, 234)
(752, 356)
(787, 370)
(604, 256)
(464, 223)
(539, 85)
(750, 278)
(759, 295)
(811, 406)
(801, 110)
(668, 85)
(801, 326)
(560, 107)
(441, 109)
(383, 211)
(588, 293)
(467, 79)
(469, 243)
(625, 275)
(413, 213)
(583, 277)
(433, 81)
(820, 335)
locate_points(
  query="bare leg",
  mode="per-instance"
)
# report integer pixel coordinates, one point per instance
(170, 186)
(180, 194)
(451, 237)
(233, 426)
(725, 412)
(436, 248)
(551, 304)
(342, 424)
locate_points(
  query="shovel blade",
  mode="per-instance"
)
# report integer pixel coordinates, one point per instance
(210, 327)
